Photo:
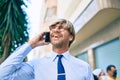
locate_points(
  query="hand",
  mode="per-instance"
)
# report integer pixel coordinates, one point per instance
(38, 41)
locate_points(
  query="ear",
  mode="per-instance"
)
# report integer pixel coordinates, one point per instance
(70, 37)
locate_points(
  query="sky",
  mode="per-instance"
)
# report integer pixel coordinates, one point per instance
(33, 13)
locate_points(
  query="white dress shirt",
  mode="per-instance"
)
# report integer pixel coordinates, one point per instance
(13, 68)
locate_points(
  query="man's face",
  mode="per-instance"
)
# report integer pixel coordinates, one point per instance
(112, 72)
(59, 35)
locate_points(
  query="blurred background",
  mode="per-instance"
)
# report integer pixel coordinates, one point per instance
(96, 23)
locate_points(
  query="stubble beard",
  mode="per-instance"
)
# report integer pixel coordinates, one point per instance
(58, 45)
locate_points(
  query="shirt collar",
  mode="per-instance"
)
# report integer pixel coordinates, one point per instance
(65, 55)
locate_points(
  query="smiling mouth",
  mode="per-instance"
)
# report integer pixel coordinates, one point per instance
(55, 36)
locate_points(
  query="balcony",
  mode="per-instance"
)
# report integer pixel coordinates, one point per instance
(96, 16)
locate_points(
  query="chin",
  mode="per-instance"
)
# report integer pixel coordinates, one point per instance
(57, 44)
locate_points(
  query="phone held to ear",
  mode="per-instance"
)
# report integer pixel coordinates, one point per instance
(47, 36)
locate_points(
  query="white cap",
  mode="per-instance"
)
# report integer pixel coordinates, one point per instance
(97, 72)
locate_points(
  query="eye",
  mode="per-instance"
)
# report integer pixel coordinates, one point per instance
(52, 27)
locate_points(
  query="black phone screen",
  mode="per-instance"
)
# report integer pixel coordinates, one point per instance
(47, 36)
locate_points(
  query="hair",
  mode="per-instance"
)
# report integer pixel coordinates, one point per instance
(95, 77)
(109, 67)
(69, 26)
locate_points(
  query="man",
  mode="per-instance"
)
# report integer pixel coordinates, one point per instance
(59, 66)
(111, 73)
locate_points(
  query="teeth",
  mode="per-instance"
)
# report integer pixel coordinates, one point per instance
(56, 36)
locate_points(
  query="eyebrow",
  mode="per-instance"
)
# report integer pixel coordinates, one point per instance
(57, 23)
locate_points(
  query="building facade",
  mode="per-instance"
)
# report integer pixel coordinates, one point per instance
(97, 26)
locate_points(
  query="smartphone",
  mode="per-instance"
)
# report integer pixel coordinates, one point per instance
(47, 36)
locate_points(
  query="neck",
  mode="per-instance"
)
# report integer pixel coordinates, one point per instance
(112, 77)
(60, 50)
